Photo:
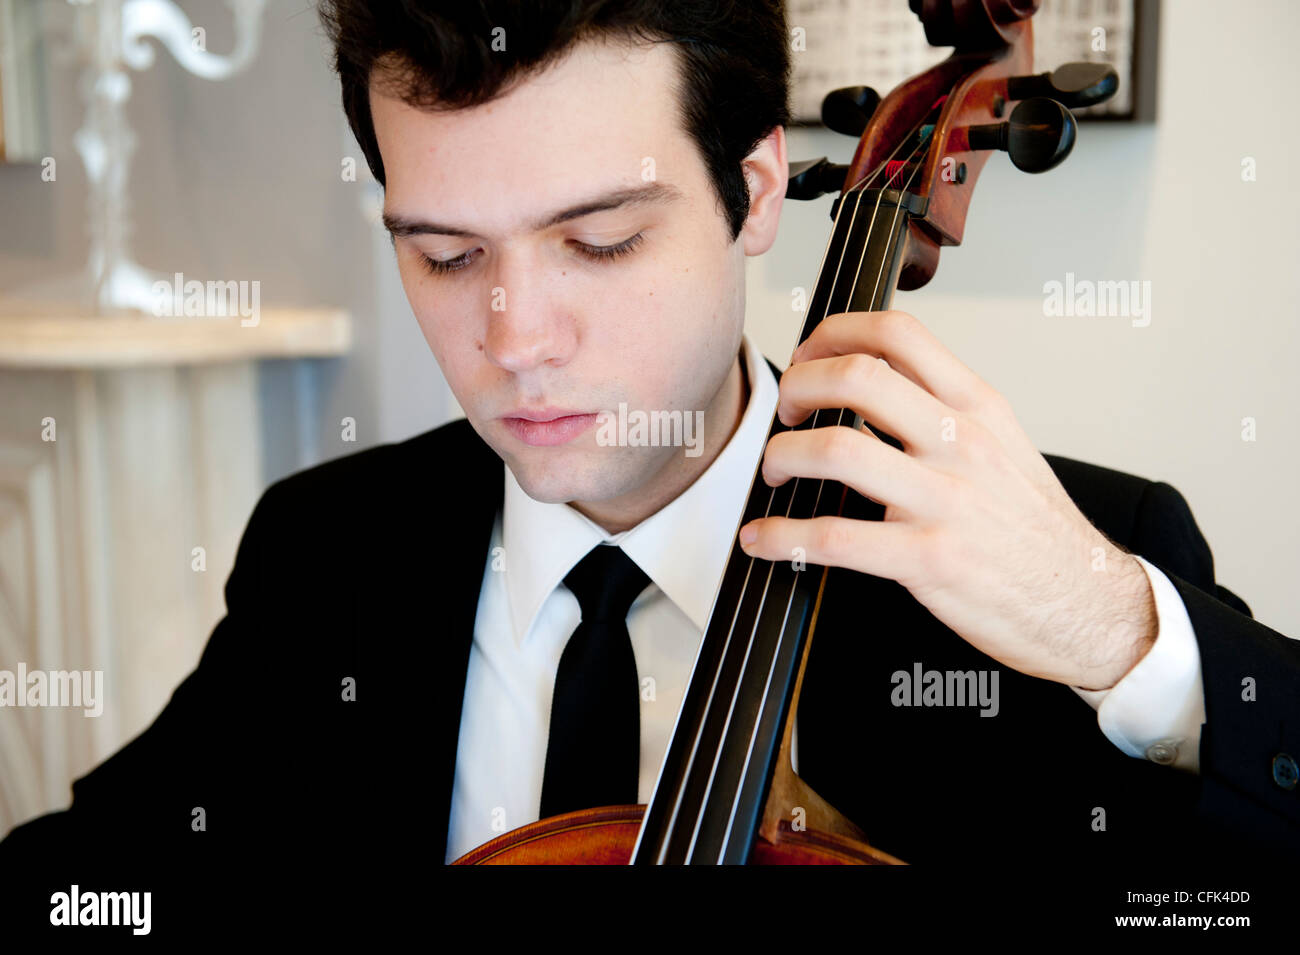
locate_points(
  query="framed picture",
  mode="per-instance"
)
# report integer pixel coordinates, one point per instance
(880, 43)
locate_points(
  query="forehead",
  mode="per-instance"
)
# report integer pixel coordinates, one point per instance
(589, 120)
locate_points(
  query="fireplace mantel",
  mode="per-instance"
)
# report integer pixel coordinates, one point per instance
(65, 339)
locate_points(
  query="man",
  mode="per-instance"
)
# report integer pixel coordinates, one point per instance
(572, 190)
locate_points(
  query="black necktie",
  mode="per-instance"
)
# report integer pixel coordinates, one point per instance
(593, 756)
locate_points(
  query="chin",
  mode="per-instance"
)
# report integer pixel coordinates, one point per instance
(559, 479)
(557, 483)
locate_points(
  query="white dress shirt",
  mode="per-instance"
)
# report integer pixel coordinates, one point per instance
(524, 619)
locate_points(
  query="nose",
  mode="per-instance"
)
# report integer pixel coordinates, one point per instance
(528, 323)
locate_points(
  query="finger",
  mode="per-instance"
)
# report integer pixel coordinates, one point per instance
(909, 348)
(870, 388)
(887, 549)
(912, 351)
(870, 467)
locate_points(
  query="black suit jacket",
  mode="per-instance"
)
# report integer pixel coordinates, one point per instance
(369, 568)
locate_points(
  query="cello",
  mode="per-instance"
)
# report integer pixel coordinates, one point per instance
(727, 792)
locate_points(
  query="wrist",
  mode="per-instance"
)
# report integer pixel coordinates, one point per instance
(1128, 625)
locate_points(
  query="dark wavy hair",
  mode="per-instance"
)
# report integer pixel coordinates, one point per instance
(733, 54)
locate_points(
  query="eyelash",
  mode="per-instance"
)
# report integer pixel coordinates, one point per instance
(597, 253)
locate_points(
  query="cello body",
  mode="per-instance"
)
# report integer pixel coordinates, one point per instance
(606, 836)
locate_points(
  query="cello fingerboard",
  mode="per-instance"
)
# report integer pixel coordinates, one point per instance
(708, 801)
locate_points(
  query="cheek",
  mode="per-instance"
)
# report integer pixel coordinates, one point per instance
(704, 310)
(434, 310)
(433, 327)
(686, 349)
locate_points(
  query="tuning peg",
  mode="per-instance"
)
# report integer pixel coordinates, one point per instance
(848, 109)
(1075, 85)
(811, 178)
(1038, 136)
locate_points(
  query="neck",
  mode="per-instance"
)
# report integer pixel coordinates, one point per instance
(722, 419)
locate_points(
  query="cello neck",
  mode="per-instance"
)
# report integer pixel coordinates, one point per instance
(708, 803)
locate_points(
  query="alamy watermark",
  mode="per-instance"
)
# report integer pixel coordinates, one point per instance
(212, 299)
(653, 429)
(75, 907)
(83, 688)
(1121, 299)
(921, 687)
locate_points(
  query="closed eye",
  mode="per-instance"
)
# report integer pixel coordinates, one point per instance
(595, 253)
(606, 252)
(445, 266)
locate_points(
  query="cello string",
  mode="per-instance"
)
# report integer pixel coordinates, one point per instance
(763, 703)
(763, 595)
(874, 292)
(685, 775)
(859, 188)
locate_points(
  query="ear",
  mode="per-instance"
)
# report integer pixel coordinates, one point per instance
(766, 172)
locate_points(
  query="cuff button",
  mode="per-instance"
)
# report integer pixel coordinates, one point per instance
(1163, 751)
(1285, 771)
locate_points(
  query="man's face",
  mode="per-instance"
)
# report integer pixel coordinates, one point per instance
(532, 319)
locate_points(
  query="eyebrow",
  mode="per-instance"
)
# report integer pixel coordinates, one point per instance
(652, 193)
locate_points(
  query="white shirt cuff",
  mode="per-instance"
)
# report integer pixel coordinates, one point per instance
(1155, 712)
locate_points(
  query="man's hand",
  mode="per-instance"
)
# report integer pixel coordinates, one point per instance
(976, 526)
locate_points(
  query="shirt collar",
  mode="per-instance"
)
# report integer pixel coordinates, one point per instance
(543, 541)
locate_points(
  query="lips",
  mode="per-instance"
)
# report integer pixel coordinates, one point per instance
(549, 413)
(547, 427)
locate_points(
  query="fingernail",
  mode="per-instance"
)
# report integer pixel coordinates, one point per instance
(748, 535)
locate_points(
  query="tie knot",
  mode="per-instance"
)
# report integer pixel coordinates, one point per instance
(606, 582)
